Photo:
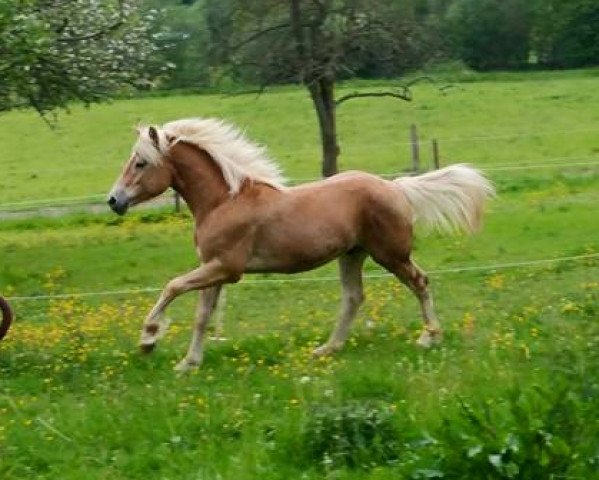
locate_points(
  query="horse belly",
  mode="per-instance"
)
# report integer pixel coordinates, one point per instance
(297, 246)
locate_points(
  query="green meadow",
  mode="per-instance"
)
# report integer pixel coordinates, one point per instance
(487, 120)
(511, 393)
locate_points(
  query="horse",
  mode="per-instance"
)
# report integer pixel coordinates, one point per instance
(247, 220)
(6, 317)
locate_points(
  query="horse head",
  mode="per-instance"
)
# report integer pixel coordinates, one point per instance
(146, 174)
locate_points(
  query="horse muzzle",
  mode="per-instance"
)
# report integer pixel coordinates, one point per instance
(118, 203)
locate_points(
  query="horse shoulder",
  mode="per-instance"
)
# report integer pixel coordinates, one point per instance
(230, 228)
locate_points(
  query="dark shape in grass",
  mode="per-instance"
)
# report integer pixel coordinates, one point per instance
(6, 317)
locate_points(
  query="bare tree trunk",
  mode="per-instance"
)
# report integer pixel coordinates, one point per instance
(321, 87)
(323, 97)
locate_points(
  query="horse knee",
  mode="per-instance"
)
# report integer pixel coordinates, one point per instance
(173, 288)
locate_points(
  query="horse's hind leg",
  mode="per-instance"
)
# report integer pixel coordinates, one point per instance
(416, 280)
(350, 270)
(206, 307)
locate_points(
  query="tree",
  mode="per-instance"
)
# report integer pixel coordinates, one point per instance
(56, 51)
(181, 35)
(567, 33)
(491, 34)
(316, 42)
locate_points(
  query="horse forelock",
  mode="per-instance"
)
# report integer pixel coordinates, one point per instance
(145, 147)
(238, 158)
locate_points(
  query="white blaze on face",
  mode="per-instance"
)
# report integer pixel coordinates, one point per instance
(126, 187)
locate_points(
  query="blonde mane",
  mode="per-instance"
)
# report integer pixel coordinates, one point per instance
(237, 157)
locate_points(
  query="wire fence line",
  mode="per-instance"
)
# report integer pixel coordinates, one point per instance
(555, 162)
(483, 138)
(349, 149)
(499, 168)
(67, 201)
(491, 168)
(459, 139)
(331, 278)
(52, 201)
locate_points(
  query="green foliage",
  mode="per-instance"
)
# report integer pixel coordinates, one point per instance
(182, 38)
(52, 53)
(535, 436)
(348, 39)
(567, 33)
(362, 435)
(491, 34)
(232, 41)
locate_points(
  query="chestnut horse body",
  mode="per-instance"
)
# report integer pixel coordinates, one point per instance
(247, 221)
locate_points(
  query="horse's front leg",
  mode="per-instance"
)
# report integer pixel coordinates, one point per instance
(210, 274)
(206, 307)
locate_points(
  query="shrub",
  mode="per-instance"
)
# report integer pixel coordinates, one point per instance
(532, 437)
(355, 435)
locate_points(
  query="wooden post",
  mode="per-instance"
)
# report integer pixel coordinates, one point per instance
(177, 198)
(415, 148)
(436, 161)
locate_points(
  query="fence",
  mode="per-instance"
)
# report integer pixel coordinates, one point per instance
(299, 279)
(416, 165)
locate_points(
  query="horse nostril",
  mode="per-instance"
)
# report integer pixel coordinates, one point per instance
(111, 201)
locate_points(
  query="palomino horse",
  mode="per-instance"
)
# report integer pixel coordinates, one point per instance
(247, 221)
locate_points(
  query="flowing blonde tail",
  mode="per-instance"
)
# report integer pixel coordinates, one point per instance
(448, 200)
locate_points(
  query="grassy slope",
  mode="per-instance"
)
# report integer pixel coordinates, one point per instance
(81, 158)
(76, 401)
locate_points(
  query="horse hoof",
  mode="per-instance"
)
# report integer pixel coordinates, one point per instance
(428, 339)
(147, 347)
(322, 351)
(186, 366)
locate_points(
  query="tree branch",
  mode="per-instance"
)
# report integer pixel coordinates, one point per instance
(256, 35)
(100, 33)
(295, 14)
(40, 111)
(405, 95)
(423, 78)
(428, 79)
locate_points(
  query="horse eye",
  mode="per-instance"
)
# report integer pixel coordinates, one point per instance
(140, 164)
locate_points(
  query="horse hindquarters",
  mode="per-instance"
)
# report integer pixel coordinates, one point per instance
(450, 199)
(389, 243)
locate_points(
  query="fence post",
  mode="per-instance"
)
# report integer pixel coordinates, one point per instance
(415, 148)
(436, 161)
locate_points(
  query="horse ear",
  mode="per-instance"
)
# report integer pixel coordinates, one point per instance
(154, 136)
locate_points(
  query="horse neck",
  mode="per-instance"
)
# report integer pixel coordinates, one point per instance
(198, 180)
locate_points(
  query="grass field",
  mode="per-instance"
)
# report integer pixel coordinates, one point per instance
(512, 393)
(538, 120)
